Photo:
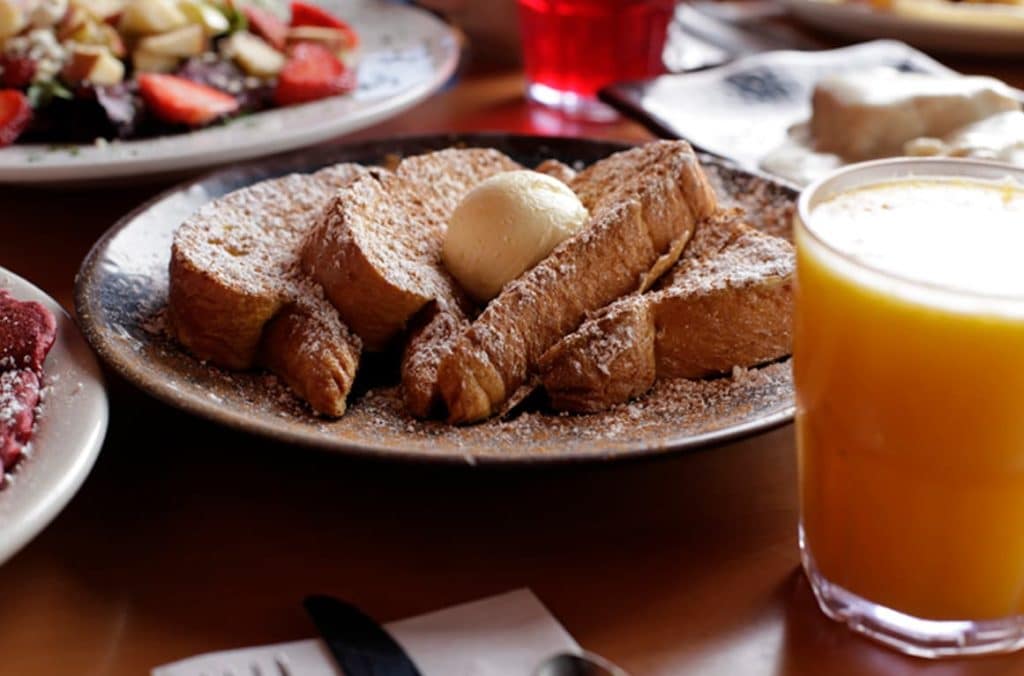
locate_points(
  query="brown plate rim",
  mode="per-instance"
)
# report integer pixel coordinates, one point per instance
(86, 306)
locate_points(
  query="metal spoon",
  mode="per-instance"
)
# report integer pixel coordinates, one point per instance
(584, 664)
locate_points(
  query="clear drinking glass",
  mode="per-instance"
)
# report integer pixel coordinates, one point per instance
(910, 435)
(572, 48)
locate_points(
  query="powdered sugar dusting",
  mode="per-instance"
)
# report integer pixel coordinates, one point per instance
(750, 259)
(674, 408)
(765, 206)
(11, 406)
(384, 232)
(238, 257)
(250, 238)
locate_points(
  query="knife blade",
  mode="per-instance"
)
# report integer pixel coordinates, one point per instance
(360, 646)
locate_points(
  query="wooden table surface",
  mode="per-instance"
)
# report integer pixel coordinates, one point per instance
(189, 538)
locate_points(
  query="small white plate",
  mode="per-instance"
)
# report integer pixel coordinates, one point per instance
(69, 430)
(405, 55)
(744, 110)
(964, 28)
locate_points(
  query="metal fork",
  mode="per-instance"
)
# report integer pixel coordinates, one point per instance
(705, 34)
(280, 667)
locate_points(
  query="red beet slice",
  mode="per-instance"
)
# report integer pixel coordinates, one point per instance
(19, 396)
(27, 331)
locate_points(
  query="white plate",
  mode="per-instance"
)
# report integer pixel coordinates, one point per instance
(964, 28)
(69, 430)
(405, 55)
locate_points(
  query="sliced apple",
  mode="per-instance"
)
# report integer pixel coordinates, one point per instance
(93, 63)
(182, 43)
(75, 18)
(80, 28)
(12, 18)
(86, 33)
(333, 39)
(148, 17)
(47, 13)
(101, 10)
(253, 54)
(145, 62)
(209, 17)
(112, 40)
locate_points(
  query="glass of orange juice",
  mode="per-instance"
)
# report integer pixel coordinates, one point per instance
(909, 371)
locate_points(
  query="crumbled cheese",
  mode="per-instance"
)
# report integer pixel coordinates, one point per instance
(41, 46)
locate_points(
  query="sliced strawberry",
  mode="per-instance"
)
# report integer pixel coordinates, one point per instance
(312, 72)
(180, 101)
(15, 114)
(306, 14)
(265, 24)
(18, 71)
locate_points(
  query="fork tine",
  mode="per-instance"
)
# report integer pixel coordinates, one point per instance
(281, 662)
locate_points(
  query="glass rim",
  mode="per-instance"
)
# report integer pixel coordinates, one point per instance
(887, 170)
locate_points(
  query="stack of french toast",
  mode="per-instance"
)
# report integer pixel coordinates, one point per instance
(302, 274)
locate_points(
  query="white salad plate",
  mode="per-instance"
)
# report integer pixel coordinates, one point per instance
(405, 54)
(69, 431)
(984, 29)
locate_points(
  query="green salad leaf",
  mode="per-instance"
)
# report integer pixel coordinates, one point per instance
(40, 94)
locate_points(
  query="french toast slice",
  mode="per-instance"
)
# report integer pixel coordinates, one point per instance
(727, 303)
(644, 205)
(377, 248)
(432, 335)
(238, 299)
(556, 169)
(435, 328)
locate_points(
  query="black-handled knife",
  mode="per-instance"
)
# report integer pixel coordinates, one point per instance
(360, 646)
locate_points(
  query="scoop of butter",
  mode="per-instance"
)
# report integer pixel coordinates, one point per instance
(506, 225)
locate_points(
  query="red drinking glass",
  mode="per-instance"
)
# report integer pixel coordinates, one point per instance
(572, 48)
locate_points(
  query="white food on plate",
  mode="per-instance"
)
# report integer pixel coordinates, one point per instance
(1000, 137)
(872, 113)
(881, 112)
(505, 226)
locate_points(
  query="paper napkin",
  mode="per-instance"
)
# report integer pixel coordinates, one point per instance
(504, 635)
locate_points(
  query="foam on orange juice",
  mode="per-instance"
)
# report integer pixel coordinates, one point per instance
(910, 403)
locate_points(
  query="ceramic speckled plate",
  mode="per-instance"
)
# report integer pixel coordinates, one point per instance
(69, 430)
(121, 291)
(405, 55)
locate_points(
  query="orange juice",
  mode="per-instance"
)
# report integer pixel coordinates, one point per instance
(909, 369)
